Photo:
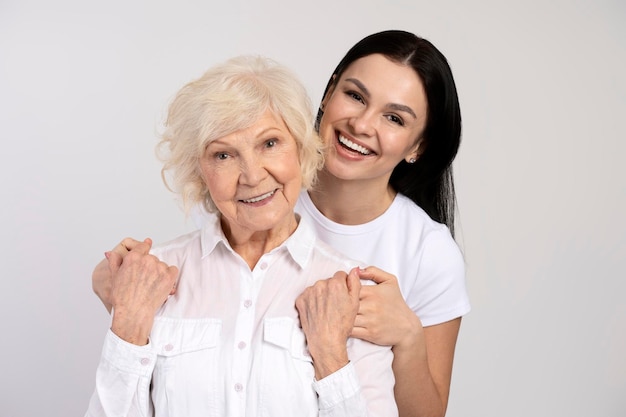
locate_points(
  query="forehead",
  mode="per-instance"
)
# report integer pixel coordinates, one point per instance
(388, 80)
(267, 122)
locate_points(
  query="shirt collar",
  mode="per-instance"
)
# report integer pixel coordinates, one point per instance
(299, 245)
(212, 234)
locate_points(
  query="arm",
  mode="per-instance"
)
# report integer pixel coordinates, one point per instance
(122, 380)
(138, 287)
(429, 369)
(422, 356)
(357, 384)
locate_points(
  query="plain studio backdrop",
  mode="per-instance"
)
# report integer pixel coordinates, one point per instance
(84, 87)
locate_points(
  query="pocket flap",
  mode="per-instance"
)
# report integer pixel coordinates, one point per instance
(171, 336)
(277, 331)
(284, 333)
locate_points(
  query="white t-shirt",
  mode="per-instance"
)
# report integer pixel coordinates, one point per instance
(407, 243)
(229, 343)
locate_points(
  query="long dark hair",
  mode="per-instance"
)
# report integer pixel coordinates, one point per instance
(429, 181)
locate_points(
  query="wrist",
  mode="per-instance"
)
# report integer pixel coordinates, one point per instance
(131, 329)
(328, 361)
(412, 335)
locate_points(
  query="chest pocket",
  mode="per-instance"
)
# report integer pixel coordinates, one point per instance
(287, 369)
(187, 368)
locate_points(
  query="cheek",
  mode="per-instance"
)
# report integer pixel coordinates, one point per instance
(399, 143)
(219, 185)
(289, 171)
(333, 110)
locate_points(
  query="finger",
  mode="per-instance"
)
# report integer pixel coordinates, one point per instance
(366, 291)
(301, 307)
(172, 271)
(337, 284)
(339, 276)
(144, 247)
(354, 283)
(366, 305)
(376, 274)
(128, 244)
(359, 332)
(131, 243)
(360, 321)
(115, 261)
(122, 248)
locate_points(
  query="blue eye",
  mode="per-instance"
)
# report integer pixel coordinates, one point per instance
(271, 143)
(221, 156)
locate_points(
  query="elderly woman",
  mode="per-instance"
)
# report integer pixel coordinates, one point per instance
(230, 340)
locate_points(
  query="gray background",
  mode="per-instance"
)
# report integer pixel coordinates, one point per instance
(540, 177)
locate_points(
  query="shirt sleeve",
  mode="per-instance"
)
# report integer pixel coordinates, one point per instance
(364, 387)
(439, 293)
(122, 380)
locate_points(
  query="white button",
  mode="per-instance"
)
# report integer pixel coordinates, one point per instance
(145, 361)
(238, 387)
(241, 345)
(264, 265)
(247, 303)
(168, 347)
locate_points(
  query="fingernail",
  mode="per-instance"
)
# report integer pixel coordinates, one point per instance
(107, 254)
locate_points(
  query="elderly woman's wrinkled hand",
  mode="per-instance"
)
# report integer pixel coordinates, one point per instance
(101, 275)
(327, 312)
(140, 284)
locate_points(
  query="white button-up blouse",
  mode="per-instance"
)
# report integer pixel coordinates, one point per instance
(229, 342)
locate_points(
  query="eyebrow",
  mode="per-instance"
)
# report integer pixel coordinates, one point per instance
(392, 106)
(265, 131)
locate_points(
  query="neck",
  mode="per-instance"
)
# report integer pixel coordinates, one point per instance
(351, 202)
(252, 245)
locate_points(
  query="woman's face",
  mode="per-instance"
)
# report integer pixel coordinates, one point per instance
(373, 119)
(254, 177)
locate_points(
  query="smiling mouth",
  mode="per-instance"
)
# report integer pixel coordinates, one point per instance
(346, 143)
(259, 198)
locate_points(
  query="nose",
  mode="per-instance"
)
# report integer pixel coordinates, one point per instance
(363, 123)
(252, 170)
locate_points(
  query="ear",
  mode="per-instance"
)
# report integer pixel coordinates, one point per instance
(414, 153)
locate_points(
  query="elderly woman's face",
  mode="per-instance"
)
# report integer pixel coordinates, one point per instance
(254, 176)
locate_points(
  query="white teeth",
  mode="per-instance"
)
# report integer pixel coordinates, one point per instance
(259, 198)
(354, 146)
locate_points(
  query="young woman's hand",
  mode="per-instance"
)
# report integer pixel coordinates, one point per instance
(327, 311)
(384, 317)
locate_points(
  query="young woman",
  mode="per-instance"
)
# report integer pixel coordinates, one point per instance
(391, 121)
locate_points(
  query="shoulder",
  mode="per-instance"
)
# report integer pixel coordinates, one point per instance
(406, 210)
(324, 253)
(418, 228)
(438, 252)
(177, 246)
